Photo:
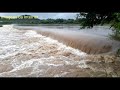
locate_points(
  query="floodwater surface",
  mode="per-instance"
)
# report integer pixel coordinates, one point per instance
(34, 53)
(91, 41)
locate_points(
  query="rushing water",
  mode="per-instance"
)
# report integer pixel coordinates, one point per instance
(26, 53)
(91, 41)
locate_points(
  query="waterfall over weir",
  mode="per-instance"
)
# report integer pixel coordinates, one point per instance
(27, 52)
(91, 41)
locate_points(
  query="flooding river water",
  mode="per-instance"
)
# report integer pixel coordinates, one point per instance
(33, 52)
(91, 41)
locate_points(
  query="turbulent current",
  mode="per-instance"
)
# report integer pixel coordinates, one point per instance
(91, 41)
(25, 53)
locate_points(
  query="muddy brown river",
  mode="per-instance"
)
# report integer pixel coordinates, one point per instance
(33, 53)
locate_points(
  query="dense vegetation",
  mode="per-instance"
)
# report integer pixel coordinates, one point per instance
(113, 19)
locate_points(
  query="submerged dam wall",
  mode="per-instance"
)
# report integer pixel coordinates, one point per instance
(91, 43)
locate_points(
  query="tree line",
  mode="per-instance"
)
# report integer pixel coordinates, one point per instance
(28, 19)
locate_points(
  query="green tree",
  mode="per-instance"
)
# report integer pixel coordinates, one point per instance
(92, 18)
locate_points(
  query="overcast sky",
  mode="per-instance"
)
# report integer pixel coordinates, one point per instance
(44, 15)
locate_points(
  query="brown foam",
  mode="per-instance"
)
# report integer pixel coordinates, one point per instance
(84, 43)
(89, 43)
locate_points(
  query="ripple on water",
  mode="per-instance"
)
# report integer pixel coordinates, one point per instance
(27, 53)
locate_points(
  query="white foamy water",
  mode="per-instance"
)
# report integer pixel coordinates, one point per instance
(92, 41)
(24, 53)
